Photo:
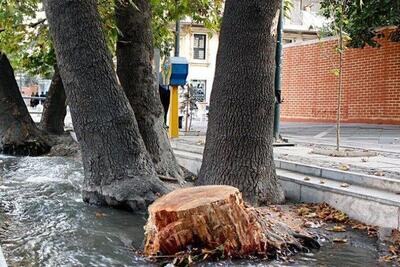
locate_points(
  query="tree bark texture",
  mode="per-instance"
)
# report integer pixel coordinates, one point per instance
(238, 148)
(18, 133)
(208, 217)
(55, 107)
(118, 170)
(135, 72)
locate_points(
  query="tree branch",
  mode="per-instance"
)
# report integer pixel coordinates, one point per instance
(35, 24)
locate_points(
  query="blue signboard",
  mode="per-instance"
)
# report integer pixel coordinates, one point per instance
(179, 71)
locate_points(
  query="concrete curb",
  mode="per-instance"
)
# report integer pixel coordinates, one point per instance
(191, 151)
(370, 181)
(376, 204)
(2, 259)
(306, 141)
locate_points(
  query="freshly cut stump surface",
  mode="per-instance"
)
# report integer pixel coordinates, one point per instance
(211, 216)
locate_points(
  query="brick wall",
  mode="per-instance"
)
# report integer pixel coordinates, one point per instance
(371, 80)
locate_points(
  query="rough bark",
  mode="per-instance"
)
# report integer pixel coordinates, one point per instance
(55, 108)
(118, 170)
(208, 217)
(238, 148)
(18, 133)
(135, 72)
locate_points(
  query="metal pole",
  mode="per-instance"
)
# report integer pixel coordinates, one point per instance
(177, 34)
(278, 75)
(174, 99)
(174, 113)
(157, 62)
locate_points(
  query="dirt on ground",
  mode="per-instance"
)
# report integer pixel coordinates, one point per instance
(64, 146)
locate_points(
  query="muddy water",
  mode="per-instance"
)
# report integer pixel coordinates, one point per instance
(45, 223)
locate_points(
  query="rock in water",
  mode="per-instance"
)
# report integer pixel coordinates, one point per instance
(210, 217)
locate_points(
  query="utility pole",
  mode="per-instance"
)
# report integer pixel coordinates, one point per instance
(278, 76)
(177, 34)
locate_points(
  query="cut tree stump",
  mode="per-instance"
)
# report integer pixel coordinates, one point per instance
(212, 217)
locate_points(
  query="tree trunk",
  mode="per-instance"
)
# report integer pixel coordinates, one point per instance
(18, 133)
(55, 108)
(209, 217)
(135, 72)
(238, 148)
(118, 170)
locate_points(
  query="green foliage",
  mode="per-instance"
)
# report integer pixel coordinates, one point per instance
(24, 35)
(287, 7)
(363, 17)
(166, 12)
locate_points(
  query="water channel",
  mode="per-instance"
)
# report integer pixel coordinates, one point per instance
(44, 222)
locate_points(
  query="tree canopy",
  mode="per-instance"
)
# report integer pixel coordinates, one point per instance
(363, 18)
(25, 36)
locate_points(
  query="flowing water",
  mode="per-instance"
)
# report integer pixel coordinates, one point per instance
(45, 223)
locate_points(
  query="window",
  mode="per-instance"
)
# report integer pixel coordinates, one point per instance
(287, 41)
(198, 90)
(199, 47)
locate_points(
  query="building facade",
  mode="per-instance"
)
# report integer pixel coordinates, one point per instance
(200, 46)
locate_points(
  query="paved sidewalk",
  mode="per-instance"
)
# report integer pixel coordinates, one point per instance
(385, 164)
(367, 136)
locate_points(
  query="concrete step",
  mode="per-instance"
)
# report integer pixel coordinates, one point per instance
(370, 181)
(374, 204)
(183, 145)
(368, 205)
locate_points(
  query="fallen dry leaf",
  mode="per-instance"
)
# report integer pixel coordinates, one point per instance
(379, 173)
(392, 249)
(344, 167)
(306, 178)
(303, 211)
(337, 228)
(310, 224)
(100, 215)
(311, 215)
(322, 182)
(344, 185)
(388, 258)
(359, 226)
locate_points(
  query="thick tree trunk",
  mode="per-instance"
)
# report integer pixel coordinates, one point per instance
(18, 133)
(55, 108)
(238, 149)
(118, 170)
(208, 217)
(135, 72)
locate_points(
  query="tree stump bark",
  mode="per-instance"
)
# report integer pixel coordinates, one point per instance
(214, 216)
